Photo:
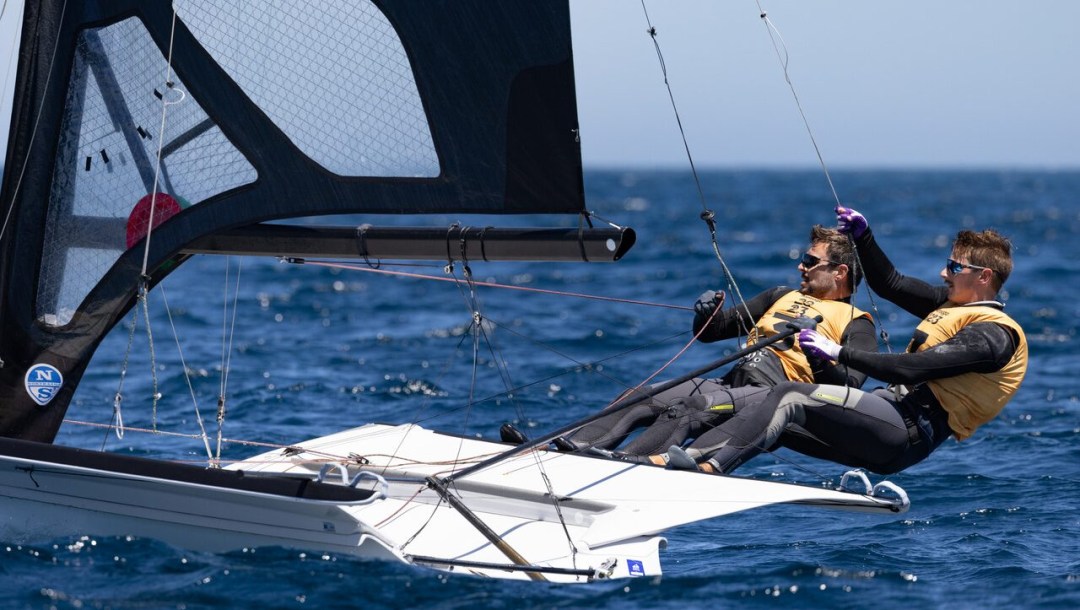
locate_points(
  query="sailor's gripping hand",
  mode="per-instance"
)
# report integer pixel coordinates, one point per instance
(708, 302)
(850, 222)
(812, 343)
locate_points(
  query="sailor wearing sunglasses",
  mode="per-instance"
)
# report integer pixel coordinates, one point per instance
(828, 278)
(965, 361)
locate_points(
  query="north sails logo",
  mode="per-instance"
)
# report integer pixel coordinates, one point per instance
(42, 382)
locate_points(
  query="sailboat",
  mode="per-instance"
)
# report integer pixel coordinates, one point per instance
(147, 132)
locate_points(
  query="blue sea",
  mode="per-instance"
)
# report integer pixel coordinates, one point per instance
(994, 521)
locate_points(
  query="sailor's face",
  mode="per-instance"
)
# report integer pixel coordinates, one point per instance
(962, 278)
(818, 276)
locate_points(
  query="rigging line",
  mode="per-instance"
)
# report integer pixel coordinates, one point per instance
(707, 215)
(541, 468)
(671, 96)
(472, 299)
(161, 143)
(37, 122)
(473, 302)
(438, 485)
(590, 366)
(493, 285)
(118, 417)
(783, 56)
(671, 361)
(228, 332)
(418, 419)
(472, 305)
(637, 389)
(187, 376)
(144, 297)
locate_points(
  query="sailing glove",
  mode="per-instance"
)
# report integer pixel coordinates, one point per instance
(813, 344)
(684, 405)
(708, 302)
(850, 222)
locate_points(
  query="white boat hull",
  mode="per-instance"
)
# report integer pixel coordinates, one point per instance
(606, 522)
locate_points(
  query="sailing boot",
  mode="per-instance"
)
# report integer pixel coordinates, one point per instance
(508, 433)
(679, 459)
(564, 444)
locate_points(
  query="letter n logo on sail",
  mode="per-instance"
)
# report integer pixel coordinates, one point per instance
(42, 383)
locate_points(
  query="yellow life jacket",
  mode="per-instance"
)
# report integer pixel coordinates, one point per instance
(971, 399)
(836, 315)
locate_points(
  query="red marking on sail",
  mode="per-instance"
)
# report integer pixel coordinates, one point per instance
(164, 208)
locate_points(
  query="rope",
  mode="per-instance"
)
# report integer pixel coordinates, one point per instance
(421, 276)
(156, 395)
(707, 215)
(228, 331)
(118, 417)
(165, 103)
(187, 378)
(782, 55)
(472, 302)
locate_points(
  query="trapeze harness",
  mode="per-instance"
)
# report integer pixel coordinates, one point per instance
(836, 315)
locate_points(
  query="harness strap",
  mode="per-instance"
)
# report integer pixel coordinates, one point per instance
(916, 402)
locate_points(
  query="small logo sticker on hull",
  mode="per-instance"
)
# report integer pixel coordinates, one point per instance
(635, 567)
(42, 382)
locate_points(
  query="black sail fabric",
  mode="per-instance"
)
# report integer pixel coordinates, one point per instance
(257, 113)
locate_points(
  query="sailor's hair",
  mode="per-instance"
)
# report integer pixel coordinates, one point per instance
(839, 249)
(986, 248)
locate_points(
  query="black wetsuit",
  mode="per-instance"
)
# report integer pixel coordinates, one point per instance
(671, 421)
(886, 430)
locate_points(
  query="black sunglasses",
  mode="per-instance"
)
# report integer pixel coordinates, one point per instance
(954, 267)
(809, 261)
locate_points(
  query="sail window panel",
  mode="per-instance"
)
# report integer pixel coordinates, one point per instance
(205, 166)
(77, 277)
(333, 76)
(106, 159)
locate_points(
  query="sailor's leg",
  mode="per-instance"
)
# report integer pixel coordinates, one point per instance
(611, 430)
(753, 429)
(855, 428)
(680, 422)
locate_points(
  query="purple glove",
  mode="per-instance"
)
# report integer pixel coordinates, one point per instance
(813, 344)
(850, 222)
(708, 302)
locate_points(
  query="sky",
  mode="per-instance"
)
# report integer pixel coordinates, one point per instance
(883, 84)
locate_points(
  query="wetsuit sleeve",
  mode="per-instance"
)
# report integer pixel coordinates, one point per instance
(859, 335)
(733, 322)
(912, 294)
(983, 347)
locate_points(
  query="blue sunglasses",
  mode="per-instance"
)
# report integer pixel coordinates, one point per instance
(954, 267)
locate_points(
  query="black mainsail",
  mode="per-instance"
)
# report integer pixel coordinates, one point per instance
(262, 112)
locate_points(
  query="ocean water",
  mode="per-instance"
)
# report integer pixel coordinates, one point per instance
(994, 520)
